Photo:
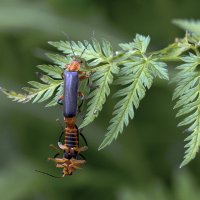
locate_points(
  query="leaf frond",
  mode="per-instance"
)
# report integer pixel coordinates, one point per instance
(18, 97)
(187, 94)
(38, 93)
(136, 76)
(60, 60)
(188, 25)
(101, 59)
(52, 70)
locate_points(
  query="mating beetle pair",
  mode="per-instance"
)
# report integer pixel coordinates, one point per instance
(71, 149)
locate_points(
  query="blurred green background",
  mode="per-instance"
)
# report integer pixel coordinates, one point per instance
(143, 164)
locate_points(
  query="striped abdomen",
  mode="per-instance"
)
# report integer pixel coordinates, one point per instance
(71, 141)
(71, 137)
(71, 81)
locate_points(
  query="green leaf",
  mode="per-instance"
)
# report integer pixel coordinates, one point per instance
(52, 70)
(138, 46)
(173, 51)
(141, 43)
(77, 48)
(59, 93)
(193, 29)
(187, 93)
(188, 25)
(132, 94)
(159, 69)
(127, 46)
(100, 58)
(39, 93)
(60, 60)
(136, 76)
(23, 98)
(101, 80)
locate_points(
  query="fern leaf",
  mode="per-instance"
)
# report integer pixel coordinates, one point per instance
(141, 43)
(158, 69)
(193, 29)
(38, 93)
(94, 54)
(99, 57)
(188, 25)
(101, 81)
(18, 97)
(101, 60)
(44, 91)
(187, 93)
(59, 93)
(52, 70)
(78, 48)
(60, 60)
(136, 76)
(173, 51)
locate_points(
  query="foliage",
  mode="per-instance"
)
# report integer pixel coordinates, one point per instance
(134, 69)
(187, 93)
(136, 75)
(100, 59)
(40, 91)
(192, 26)
(188, 88)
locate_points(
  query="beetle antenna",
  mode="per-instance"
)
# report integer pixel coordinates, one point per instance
(87, 45)
(62, 129)
(84, 49)
(68, 38)
(48, 174)
(59, 123)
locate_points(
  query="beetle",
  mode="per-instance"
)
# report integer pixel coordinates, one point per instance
(70, 160)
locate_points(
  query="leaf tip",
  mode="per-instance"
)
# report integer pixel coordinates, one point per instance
(102, 146)
(182, 165)
(174, 21)
(82, 125)
(50, 43)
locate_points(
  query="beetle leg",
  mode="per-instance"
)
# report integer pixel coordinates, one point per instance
(58, 160)
(62, 146)
(77, 162)
(54, 147)
(60, 165)
(83, 77)
(84, 139)
(60, 100)
(80, 94)
(81, 149)
(82, 156)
